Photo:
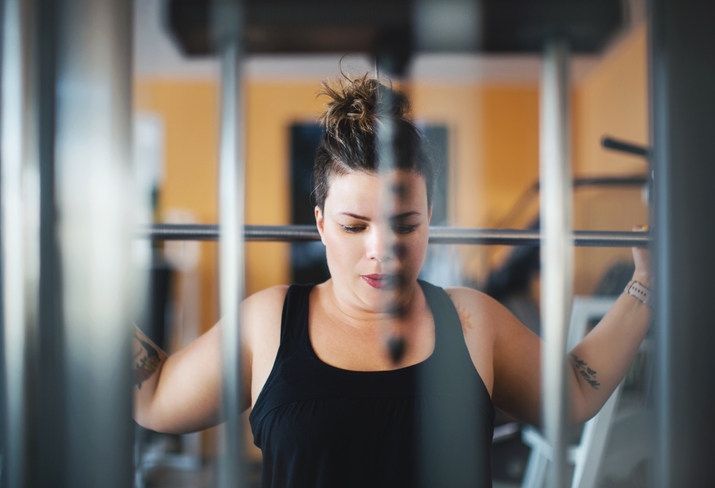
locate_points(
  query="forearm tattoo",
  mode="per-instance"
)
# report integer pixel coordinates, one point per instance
(149, 361)
(587, 373)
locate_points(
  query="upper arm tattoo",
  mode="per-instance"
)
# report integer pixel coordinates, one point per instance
(149, 362)
(587, 373)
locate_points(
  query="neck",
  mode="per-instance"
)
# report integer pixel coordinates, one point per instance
(351, 311)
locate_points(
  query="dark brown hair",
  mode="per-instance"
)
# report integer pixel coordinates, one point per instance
(356, 109)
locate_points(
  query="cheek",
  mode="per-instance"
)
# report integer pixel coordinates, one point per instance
(411, 250)
(401, 250)
(340, 251)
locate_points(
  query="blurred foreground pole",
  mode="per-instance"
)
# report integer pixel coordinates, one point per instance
(683, 114)
(93, 155)
(228, 20)
(556, 250)
(20, 233)
(49, 414)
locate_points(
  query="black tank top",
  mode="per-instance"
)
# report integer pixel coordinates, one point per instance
(427, 425)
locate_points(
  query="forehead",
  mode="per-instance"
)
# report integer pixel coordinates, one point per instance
(360, 189)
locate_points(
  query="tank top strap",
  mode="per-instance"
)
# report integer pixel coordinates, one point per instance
(451, 362)
(449, 337)
(294, 321)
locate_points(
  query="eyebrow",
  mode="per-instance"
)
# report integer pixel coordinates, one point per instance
(395, 217)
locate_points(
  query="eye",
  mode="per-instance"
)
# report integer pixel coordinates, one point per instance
(403, 228)
(352, 229)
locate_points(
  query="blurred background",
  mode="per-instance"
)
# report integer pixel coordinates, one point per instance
(481, 116)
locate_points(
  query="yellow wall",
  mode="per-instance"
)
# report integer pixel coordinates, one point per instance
(493, 154)
(189, 111)
(493, 147)
(612, 100)
(272, 108)
(510, 146)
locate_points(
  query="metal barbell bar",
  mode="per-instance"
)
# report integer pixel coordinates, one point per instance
(438, 235)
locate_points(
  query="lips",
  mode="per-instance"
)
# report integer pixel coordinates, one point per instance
(378, 280)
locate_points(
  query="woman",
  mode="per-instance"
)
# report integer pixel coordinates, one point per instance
(374, 378)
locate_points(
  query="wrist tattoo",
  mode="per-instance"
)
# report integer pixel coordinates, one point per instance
(587, 373)
(148, 364)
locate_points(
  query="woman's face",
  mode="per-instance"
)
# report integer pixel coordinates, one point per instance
(374, 256)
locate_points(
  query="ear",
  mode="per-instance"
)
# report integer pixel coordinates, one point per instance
(429, 216)
(320, 222)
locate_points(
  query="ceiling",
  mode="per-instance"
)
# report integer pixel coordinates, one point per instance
(156, 56)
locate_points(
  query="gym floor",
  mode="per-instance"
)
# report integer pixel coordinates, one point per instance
(205, 478)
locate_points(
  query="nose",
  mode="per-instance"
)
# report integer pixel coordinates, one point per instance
(380, 243)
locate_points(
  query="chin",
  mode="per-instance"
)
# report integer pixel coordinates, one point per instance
(388, 298)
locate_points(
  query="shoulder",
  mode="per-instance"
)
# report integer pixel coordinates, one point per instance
(261, 313)
(479, 311)
(464, 293)
(504, 351)
(264, 303)
(474, 302)
(477, 316)
(269, 296)
(476, 311)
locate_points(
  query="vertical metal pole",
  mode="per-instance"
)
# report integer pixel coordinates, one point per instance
(93, 142)
(19, 221)
(228, 21)
(556, 249)
(683, 106)
(50, 414)
(387, 162)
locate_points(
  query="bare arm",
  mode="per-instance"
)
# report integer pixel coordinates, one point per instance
(184, 395)
(598, 363)
(601, 359)
(148, 361)
(182, 392)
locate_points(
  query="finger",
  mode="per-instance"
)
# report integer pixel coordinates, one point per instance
(639, 228)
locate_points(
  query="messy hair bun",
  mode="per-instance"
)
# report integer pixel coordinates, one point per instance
(359, 105)
(353, 114)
